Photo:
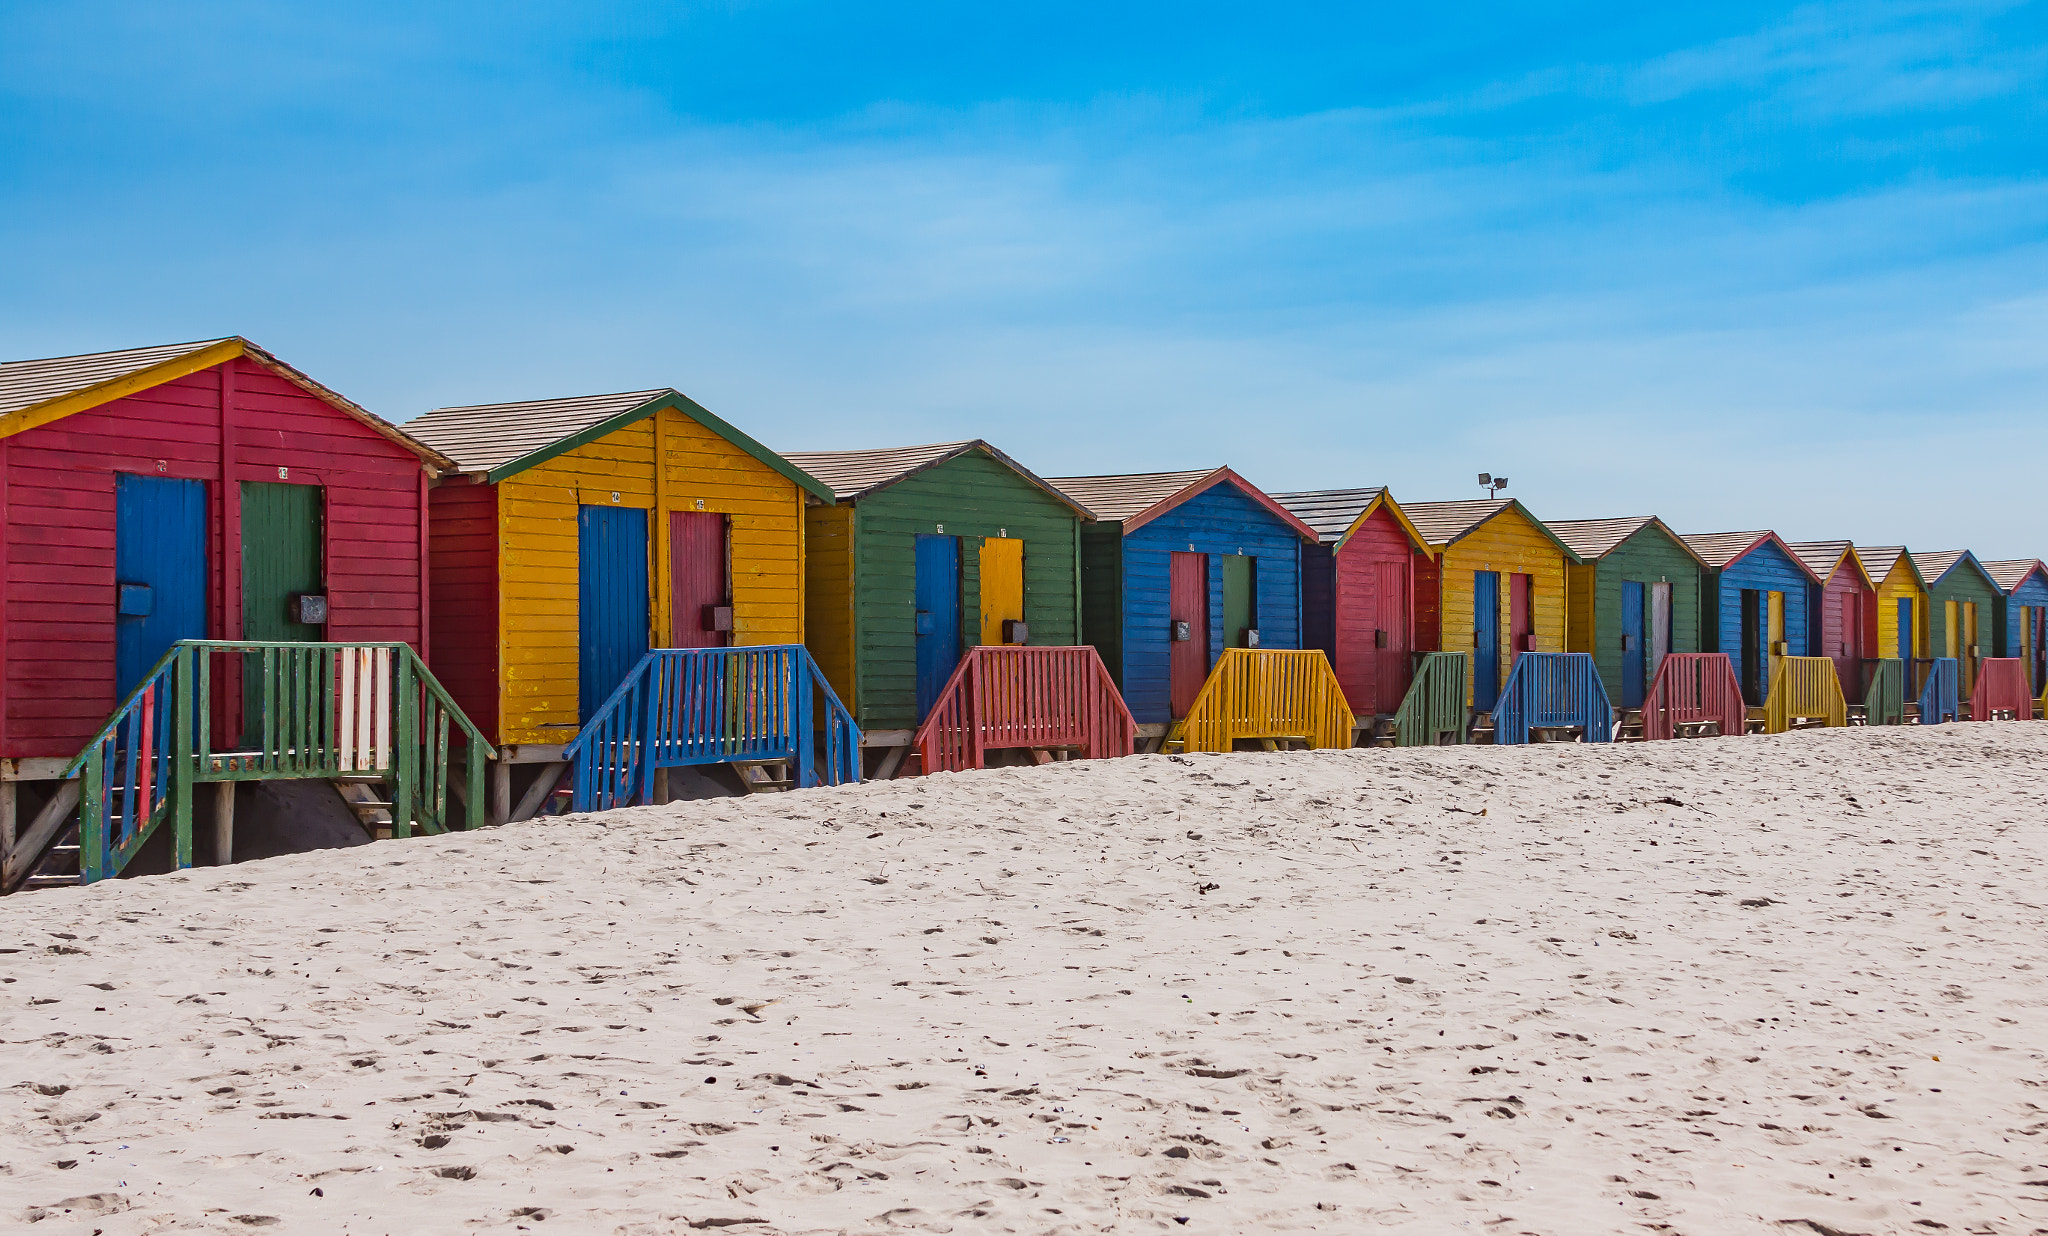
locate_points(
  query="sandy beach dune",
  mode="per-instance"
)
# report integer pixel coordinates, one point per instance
(1734, 985)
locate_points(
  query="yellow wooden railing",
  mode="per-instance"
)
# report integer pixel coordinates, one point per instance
(1256, 693)
(1804, 687)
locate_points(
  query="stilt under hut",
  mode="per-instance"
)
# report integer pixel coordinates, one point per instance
(1495, 588)
(1844, 609)
(1358, 594)
(1962, 609)
(1635, 601)
(200, 524)
(1755, 606)
(931, 550)
(1178, 568)
(580, 533)
(2023, 616)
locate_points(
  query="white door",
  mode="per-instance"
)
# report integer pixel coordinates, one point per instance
(1660, 626)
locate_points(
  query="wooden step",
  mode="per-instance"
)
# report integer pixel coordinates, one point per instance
(363, 797)
(755, 776)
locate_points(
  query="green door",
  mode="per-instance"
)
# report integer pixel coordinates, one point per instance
(282, 539)
(1240, 611)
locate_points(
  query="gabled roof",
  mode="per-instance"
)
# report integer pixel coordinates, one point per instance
(37, 392)
(1879, 561)
(1823, 557)
(2010, 573)
(1719, 549)
(1337, 513)
(854, 475)
(1937, 566)
(1594, 539)
(1442, 524)
(1135, 499)
(505, 439)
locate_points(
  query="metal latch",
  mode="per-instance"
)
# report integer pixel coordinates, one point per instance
(309, 608)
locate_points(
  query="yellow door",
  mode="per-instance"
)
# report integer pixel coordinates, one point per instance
(1774, 625)
(1951, 635)
(1969, 647)
(1002, 586)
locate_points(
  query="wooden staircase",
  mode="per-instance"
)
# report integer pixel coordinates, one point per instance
(1628, 725)
(367, 795)
(1479, 728)
(1380, 733)
(766, 776)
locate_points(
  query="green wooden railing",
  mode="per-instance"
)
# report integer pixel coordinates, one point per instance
(1435, 703)
(305, 711)
(1885, 702)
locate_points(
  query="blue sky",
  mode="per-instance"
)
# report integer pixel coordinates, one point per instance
(1759, 265)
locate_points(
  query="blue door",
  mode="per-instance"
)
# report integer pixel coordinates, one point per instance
(938, 617)
(159, 571)
(1485, 639)
(1631, 644)
(611, 604)
(1906, 631)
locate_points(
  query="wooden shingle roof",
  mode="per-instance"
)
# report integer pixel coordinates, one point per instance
(37, 392)
(505, 439)
(1331, 512)
(1441, 523)
(1596, 538)
(854, 475)
(1880, 560)
(484, 436)
(2010, 573)
(1822, 557)
(1937, 564)
(1718, 549)
(1135, 499)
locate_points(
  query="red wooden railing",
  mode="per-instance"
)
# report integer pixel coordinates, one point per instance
(2001, 687)
(1025, 697)
(1693, 686)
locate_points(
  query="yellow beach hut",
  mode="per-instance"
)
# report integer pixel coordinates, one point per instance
(1498, 587)
(1901, 601)
(581, 532)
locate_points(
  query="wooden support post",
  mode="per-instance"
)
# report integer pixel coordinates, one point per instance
(891, 761)
(223, 823)
(537, 793)
(182, 760)
(501, 789)
(9, 806)
(660, 798)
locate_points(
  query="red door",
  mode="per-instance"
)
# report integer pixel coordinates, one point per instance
(700, 601)
(1842, 631)
(1188, 602)
(1521, 615)
(1391, 638)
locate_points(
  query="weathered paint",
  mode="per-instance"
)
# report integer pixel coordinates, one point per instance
(236, 418)
(160, 548)
(1649, 556)
(866, 642)
(611, 600)
(1507, 543)
(1221, 522)
(700, 578)
(700, 471)
(936, 608)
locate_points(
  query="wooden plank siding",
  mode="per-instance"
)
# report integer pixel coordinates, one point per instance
(1102, 593)
(1648, 556)
(1380, 539)
(1900, 584)
(237, 420)
(1965, 584)
(1220, 520)
(463, 585)
(970, 496)
(1510, 544)
(537, 526)
(1766, 568)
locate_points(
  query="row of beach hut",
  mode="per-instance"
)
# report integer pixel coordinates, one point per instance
(214, 562)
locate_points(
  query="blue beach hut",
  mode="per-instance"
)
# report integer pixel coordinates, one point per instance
(2023, 614)
(1178, 567)
(1757, 606)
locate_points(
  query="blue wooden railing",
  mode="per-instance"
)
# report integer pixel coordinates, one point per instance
(684, 706)
(1553, 689)
(1941, 697)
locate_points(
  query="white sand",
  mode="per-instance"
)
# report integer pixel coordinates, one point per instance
(1732, 985)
